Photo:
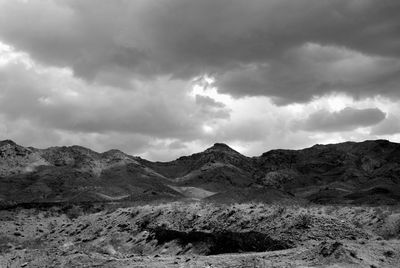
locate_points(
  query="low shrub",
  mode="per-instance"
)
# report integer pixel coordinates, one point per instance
(303, 221)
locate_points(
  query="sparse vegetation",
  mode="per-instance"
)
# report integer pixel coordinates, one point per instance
(303, 221)
(74, 212)
(390, 228)
(144, 222)
(278, 211)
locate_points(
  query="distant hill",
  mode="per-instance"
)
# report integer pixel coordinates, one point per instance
(363, 173)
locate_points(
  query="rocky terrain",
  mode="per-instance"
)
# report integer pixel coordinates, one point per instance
(197, 234)
(347, 173)
(326, 206)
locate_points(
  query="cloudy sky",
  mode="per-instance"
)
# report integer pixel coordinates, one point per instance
(163, 78)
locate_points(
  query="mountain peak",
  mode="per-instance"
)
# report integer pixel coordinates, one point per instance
(4, 142)
(221, 147)
(114, 153)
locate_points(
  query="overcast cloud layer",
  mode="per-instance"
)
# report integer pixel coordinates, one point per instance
(165, 78)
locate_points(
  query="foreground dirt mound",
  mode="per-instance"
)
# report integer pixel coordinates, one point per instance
(169, 235)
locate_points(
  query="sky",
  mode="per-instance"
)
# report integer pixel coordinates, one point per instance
(165, 78)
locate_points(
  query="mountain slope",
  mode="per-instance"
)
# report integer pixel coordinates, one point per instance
(350, 172)
(219, 169)
(345, 173)
(76, 174)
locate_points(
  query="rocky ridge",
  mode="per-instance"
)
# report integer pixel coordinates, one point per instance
(350, 172)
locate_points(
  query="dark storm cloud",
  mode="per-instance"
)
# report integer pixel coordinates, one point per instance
(274, 48)
(312, 71)
(343, 120)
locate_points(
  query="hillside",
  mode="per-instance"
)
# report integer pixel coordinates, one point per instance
(350, 172)
(76, 174)
(363, 173)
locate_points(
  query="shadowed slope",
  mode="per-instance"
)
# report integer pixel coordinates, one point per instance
(365, 172)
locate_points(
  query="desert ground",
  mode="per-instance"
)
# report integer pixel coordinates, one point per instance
(324, 206)
(200, 234)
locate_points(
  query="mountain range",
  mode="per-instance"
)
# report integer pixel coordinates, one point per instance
(347, 173)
